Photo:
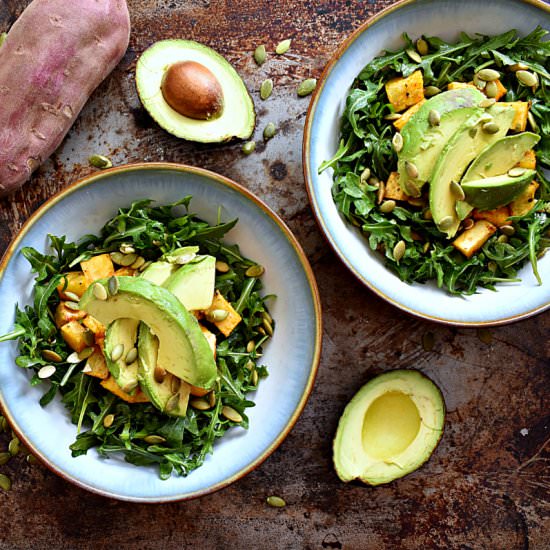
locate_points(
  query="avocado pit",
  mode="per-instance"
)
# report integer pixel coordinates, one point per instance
(192, 90)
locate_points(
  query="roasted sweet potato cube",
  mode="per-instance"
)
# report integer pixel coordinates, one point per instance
(471, 240)
(393, 189)
(94, 325)
(97, 267)
(520, 119)
(498, 216)
(74, 282)
(64, 315)
(403, 92)
(529, 160)
(210, 338)
(111, 385)
(406, 116)
(525, 202)
(231, 321)
(460, 85)
(76, 336)
(96, 365)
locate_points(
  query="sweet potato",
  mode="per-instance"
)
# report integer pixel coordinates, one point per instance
(52, 59)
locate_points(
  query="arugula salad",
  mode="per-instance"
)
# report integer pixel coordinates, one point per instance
(147, 259)
(443, 158)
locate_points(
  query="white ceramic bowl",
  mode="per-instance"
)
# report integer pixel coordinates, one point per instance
(292, 355)
(444, 18)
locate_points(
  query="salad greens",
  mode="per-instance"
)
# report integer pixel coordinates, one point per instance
(183, 442)
(366, 142)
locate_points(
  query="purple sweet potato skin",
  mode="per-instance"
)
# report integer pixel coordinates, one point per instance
(54, 57)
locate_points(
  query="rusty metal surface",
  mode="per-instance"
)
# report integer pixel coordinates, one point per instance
(487, 484)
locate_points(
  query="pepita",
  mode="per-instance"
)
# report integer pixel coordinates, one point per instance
(127, 248)
(255, 377)
(427, 214)
(46, 371)
(387, 206)
(489, 75)
(269, 131)
(89, 340)
(159, 374)
(492, 266)
(430, 91)
(212, 399)
(87, 369)
(5, 482)
(393, 116)
(488, 102)
(457, 191)
(100, 161)
(468, 223)
(434, 118)
(428, 341)
(31, 459)
(138, 263)
(172, 403)
(266, 88)
(231, 414)
(108, 420)
(491, 90)
(175, 384)
(73, 358)
(217, 315)
(182, 259)
(518, 67)
(283, 46)
(532, 122)
(411, 169)
(397, 142)
(399, 251)
(131, 356)
(472, 132)
(199, 404)
(255, 271)
(154, 439)
(117, 352)
(381, 192)
(85, 353)
(412, 189)
(508, 230)
(276, 502)
(374, 181)
(365, 175)
(113, 285)
(72, 296)
(117, 256)
(503, 239)
(50, 355)
(426, 247)
(72, 305)
(446, 223)
(267, 317)
(222, 267)
(13, 446)
(479, 84)
(249, 364)
(306, 87)
(491, 127)
(250, 346)
(516, 172)
(414, 55)
(4, 458)
(128, 259)
(527, 78)
(422, 46)
(260, 55)
(249, 147)
(145, 266)
(99, 291)
(267, 326)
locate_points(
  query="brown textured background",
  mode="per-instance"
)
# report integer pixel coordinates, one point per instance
(486, 486)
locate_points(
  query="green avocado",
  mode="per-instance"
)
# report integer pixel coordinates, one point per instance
(236, 116)
(500, 156)
(463, 147)
(389, 428)
(490, 193)
(423, 142)
(183, 349)
(122, 332)
(158, 272)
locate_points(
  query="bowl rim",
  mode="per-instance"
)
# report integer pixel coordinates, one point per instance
(285, 230)
(308, 178)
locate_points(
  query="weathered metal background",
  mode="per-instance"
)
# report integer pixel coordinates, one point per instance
(486, 486)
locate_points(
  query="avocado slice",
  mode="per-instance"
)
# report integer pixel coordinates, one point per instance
(183, 349)
(463, 147)
(389, 428)
(236, 118)
(122, 332)
(158, 272)
(423, 143)
(500, 156)
(490, 193)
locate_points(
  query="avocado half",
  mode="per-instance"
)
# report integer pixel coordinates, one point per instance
(389, 428)
(236, 118)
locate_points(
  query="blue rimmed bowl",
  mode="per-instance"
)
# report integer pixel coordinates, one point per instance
(444, 18)
(292, 356)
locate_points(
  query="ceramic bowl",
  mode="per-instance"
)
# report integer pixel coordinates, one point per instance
(292, 355)
(444, 18)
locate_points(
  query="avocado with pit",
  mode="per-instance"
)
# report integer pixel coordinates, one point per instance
(423, 141)
(389, 428)
(500, 156)
(490, 193)
(463, 147)
(122, 332)
(193, 92)
(183, 349)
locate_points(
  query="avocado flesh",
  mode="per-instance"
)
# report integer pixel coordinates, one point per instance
(500, 156)
(423, 143)
(158, 272)
(490, 193)
(122, 331)
(389, 428)
(237, 119)
(464, 146)
(183, 349)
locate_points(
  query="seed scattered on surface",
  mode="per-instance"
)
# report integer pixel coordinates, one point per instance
(108, 420)
(269, 131)
(516, 172)
(260, 55)
(532, 122)
(472, 132)
(14, 446)
(457, 191)
(479, 84)
(491, 127)
(412, 189)
(113, 285)
(446, 223)
(117, 257)
(89, 339)
(267, 326)
(172, 403)
(73, 358)
(397, 142)
(128, 259)
(250, 346)
(117, 352)
(249, 365)
(426, 247)
(31, 459)
(275, 502)
(4, 458)
(145, 266)
(518, 67)
(255, 377)
(414, 55)
(491, 90)
(484, 335)
(159, 374)
(267, 317)
(393, 116)
(527, 78)
(283, 46)
(5, 482)
(182, 259)
(428, 341)
(365, 175)
(131, 356)
(427, 215)
(411, 169)
(399, 250)
(434, 118)
(46, 371)
(87, 368)
(72, 296)
(249, 147)
(266, 88)
(387, 206)
(85, 353)
(485, 103)
(306, 87)
(381, 192)
(212, 399)
(222, 267)
(217, 315)
(72, 305)
(127, 248)
(175, 384)
(492, 266)
(200, 404)
(489, 75)
(100, 161)
(508, 230)
(422, 46)
(430, 91)
(231, 414)
(503, 239)
(255, 271)
(138, 263)
(154, 439)
(468, 223)
(99, 291)
(50, 355)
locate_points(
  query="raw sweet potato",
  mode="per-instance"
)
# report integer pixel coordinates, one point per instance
(52, 59)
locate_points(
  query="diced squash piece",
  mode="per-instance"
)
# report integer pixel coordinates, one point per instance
(501, 90)
(94, 325)
(403, 92)
(405, 117)
(111, 385)
(231, 321)
(96, 366)
(393, 189)
(460, 85)
(64, 315)
(76, 283)
(76, 336)
(199, 392)
(97, 267)
(210, 338)
(498, 216)
(471, 240)
(529, 160)
(125, 272)
(520, 119)
(525, 202)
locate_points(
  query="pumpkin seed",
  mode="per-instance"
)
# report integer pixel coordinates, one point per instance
(503, 239)
(397, 142)
(212, 399)
(283, 46)
(260, 55)
(422, 46)
(518, 67)
(108, 420)
(113, 285)
(532, 122)
(85, 353)
(412, 170)
(468, 223)
(267, 317)
(269, 131)
(200, 404)
(306, 87)
(72, 296)
(516, 172)
(249, 147)
(128, 259)
(457, 191)
(5, 482)
(87, 369)
(182, 259)
(373, 180)
(4, 458)
(434, 118)
(479, 84)
(99, 291)
(154, 439)
(491, 127)
(255, 271)
(427, 214)
(381, 192)
(175, 384)
(489, 75)
(399, 251)
(414, 55)
(387, 206)
(393, 116)
(217, 315)
(100, 161)
(266, 88)
(267, 326)
(145, 266)
(172, 403)
(508, 229)
(426, 247)
(255, 377)
(127, 248)
(138, 263)
(117, 257)
(428, 341)
(492, 266)
(72, 305)
(412, 189)
(159, 374)
(485, 103)
(222, 267)
(50, 355)
(4, 424)
(89, 339)
(231, 414)
(485, 117)
(484, 335)
(472, 132)
(73, 358)
(117, 352)
(46, 371)
(491, 90)
(527, 78)
(276, 502)
(261, 330)
(430, 91)
(417, 202)
(14, 446)
(446, 223)
(31, 459)
(365, 175)
(131, 356)
(250, 346)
